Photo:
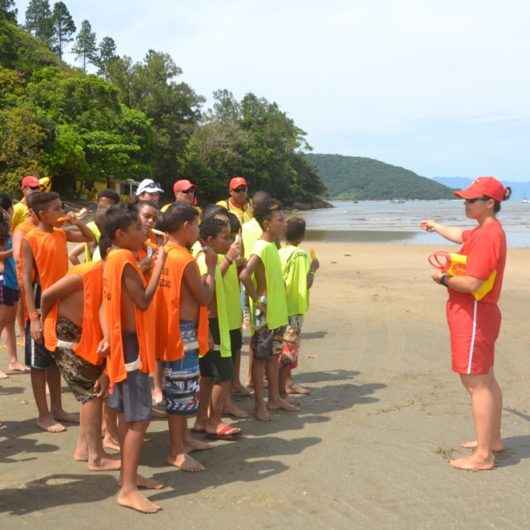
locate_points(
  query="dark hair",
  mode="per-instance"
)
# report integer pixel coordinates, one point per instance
(295, 229)
(264, 210)
(260, 196)
(176, 215)
(40, 200)
(109, 194)
(507, 195)
(212, 227)
(118, 217)
(5, 227)
(142, 202)
(235, 225)
(5, 201)
(213, 209)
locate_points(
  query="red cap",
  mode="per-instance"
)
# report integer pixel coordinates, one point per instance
(30, 182)
(236, 182)
(484, 187)
(183, 185)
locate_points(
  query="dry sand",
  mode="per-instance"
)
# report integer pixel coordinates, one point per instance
(368, 450)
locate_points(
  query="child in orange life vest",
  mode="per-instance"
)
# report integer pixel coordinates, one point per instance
(216, 366)
(129, 321)
(268, 295)
(45, 259)
(182, 329)
(299, 272)
(78, 297)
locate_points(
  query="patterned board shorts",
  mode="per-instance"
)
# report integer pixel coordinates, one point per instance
(79, 374)
(291, 342)
(180, 379)
(267, 343)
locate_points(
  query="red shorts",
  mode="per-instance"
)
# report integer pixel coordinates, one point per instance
(474, 328)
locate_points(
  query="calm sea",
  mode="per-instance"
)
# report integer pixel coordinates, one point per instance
(389, 222)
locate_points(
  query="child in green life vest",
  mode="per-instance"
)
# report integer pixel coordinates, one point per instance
(298, 272)
(263, 280)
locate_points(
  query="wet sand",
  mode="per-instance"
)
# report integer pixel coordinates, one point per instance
(368, 450)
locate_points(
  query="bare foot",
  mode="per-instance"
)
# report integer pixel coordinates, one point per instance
(3, 375)
(199, 427)
(80, 456)
(136, 501)
(111, 444)
(148, 483)
(105, 463)
(185, 462)
(498, 447)
(191, 445)
(237, 412)
(66, 417)
(262, 413)
(18, 368)
(240, 390)
(473, 463)
(49, 424)
(295, 389)
(282, 404)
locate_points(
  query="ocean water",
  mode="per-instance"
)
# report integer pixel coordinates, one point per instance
(389, 222)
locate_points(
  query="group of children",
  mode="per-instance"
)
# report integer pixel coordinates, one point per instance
(153, 316)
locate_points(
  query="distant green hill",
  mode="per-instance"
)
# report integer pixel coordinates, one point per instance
(359, 178)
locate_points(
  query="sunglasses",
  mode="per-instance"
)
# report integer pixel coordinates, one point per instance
(241, 189)
(473, 201)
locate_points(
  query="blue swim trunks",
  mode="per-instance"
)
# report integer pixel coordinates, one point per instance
(180, 379)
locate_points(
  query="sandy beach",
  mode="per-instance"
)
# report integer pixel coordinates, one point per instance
(369, 448)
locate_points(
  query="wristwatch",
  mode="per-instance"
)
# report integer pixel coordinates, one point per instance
(443, 280)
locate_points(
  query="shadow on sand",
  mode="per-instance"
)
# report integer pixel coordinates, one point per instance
(257, 456)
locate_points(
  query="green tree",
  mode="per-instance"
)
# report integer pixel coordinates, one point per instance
(8, 10)
(85, 45)
(173, 107)
(63, 28)
(106, 55)
(39, 20)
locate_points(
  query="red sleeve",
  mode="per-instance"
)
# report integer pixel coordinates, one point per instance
(484, 255)
(466, 234)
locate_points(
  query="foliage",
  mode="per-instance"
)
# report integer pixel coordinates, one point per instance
(8, 10)
(63, 28)
(358, 178)
(106, 55)
(39, 20)
(85, 45)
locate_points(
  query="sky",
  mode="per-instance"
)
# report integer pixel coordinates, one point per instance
(441, 88)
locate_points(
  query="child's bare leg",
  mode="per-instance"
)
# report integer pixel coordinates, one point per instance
(53, 377)
(178, 453)
(45, 420)
(498, 445)
(216, 426)
(273, 375)
(237, 385)
(258, 372)
(131, 441)
(484, 406)
(232, 408)
(157, 385)
(7, 325)
(205, 394)
(111, 435)
(90, 431)
(20, 317)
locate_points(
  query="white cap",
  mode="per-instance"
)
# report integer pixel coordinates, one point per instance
(148, 186)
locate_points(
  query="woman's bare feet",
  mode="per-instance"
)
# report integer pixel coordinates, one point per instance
(136, 501)
(473, 463)
(3, 375)
(49, 424)
(66, 417)
(498, 447)
(185, 462)
(105, 463)
(146, 483)
(282, 404)
(262, 413)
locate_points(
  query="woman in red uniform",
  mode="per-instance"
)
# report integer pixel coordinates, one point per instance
(474, 324)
